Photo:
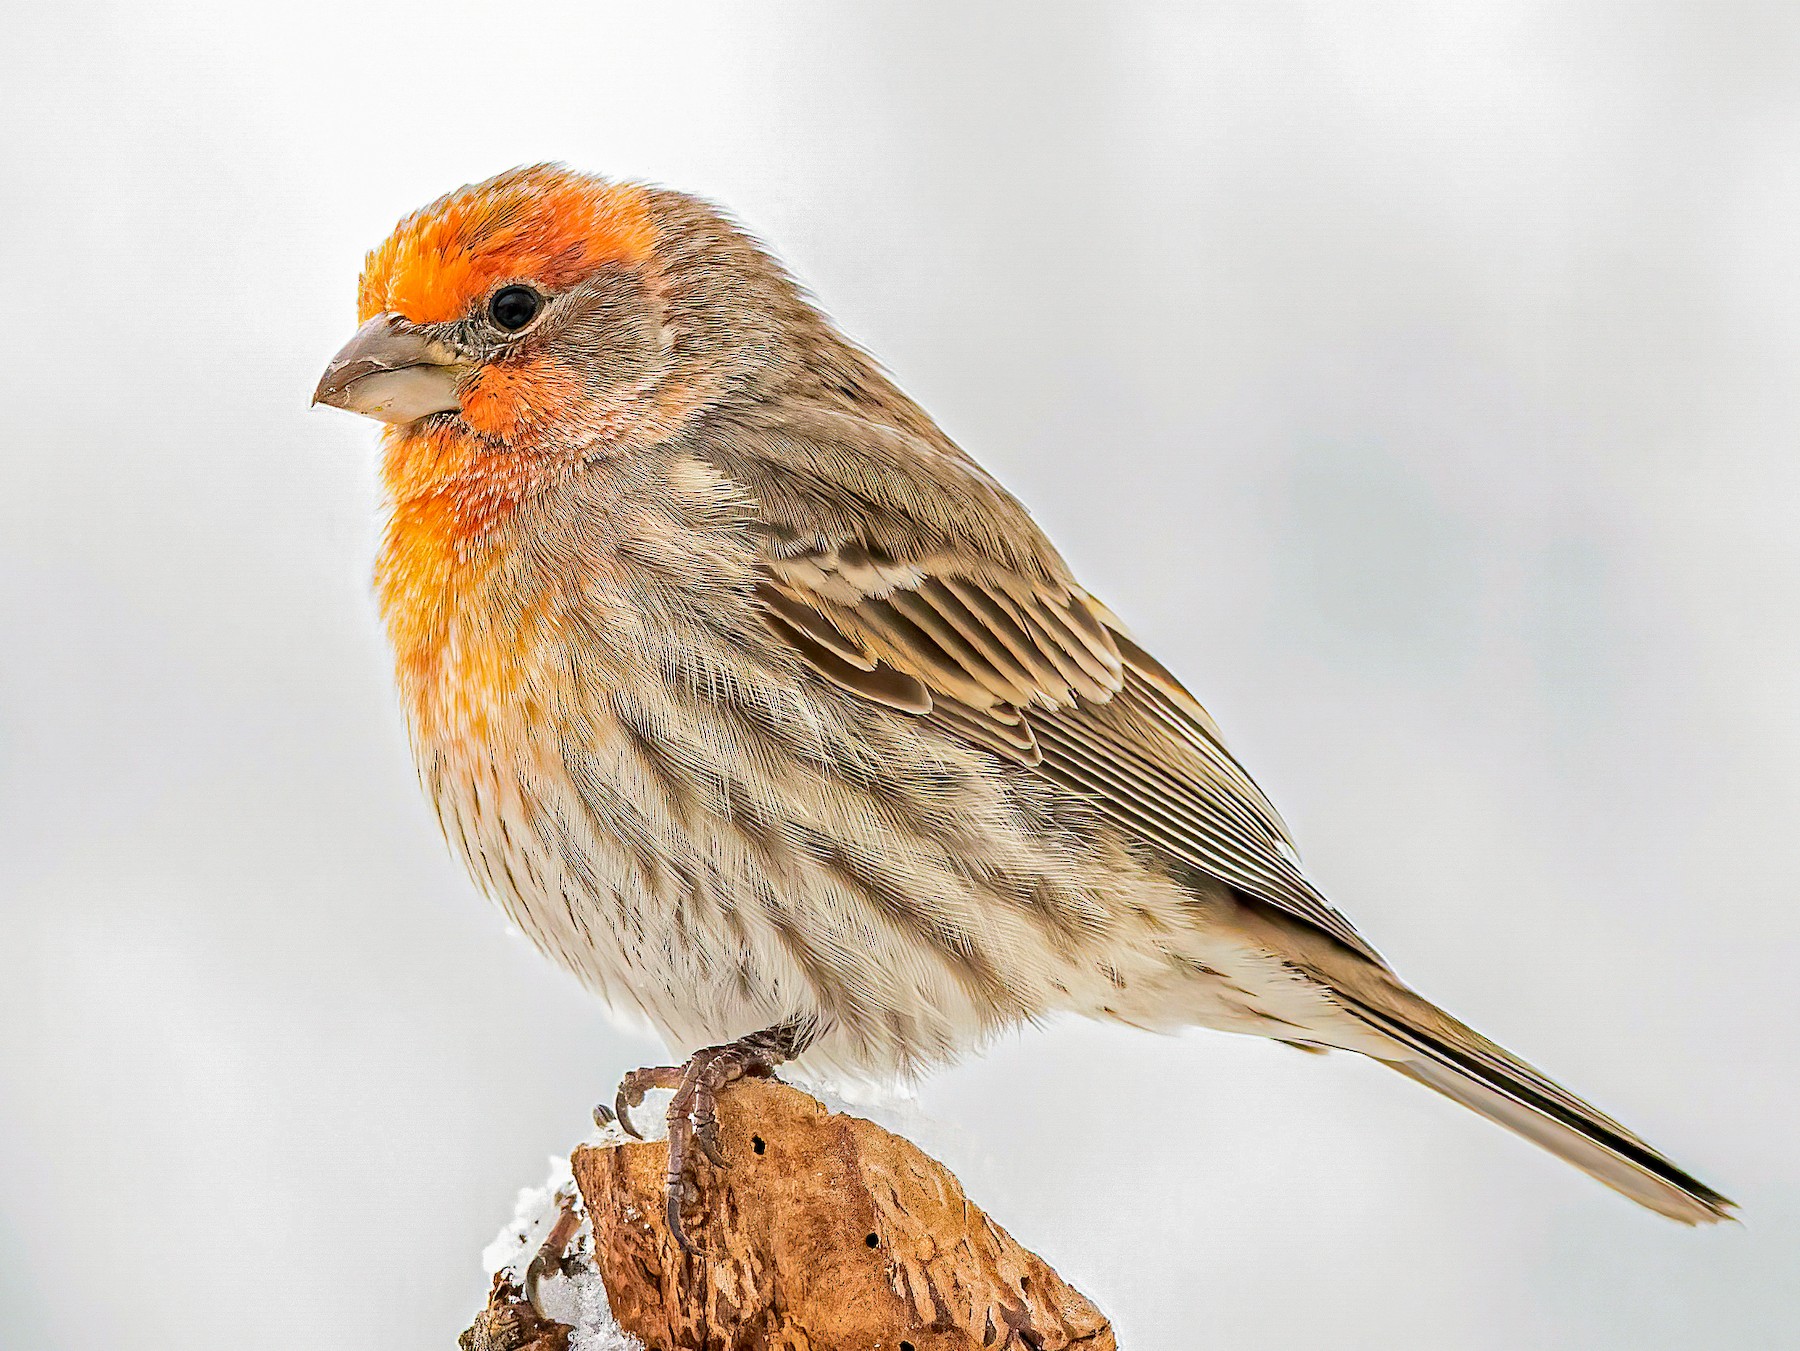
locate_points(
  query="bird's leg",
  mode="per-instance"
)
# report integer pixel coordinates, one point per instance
(693, 1111)
(551, 1255)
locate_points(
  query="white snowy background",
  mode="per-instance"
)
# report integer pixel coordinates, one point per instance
(1418, 379)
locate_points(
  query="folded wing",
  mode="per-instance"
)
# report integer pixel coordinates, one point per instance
(902, 573)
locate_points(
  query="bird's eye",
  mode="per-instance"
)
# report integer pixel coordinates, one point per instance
(513, 307)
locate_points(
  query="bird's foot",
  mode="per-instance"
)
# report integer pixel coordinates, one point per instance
(693, 1111)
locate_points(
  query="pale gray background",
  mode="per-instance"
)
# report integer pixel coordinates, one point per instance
(1418, 379)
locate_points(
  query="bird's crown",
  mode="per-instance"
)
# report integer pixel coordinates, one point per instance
(545, 222)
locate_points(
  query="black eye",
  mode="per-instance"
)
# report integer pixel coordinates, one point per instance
(513, 307)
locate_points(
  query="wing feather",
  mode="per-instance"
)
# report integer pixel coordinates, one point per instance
(902, 573)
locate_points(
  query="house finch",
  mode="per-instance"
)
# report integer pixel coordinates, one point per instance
(755, 703)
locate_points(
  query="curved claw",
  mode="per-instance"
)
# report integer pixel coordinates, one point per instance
(674, 1217)
(622, 1112)
(632, 1089)
(707, 1137)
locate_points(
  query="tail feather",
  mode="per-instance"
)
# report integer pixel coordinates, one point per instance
(1466, 1067)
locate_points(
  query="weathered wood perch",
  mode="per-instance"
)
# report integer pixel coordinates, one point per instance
(827, 1233)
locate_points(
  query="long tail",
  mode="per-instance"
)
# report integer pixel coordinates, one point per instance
(1463, 1065)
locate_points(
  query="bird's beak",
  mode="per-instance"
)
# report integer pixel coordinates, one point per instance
(394, 371)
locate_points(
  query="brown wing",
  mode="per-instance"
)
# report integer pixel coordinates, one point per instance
(1044, 676)
(902, 572)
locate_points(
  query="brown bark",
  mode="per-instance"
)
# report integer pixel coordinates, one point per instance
(827, 1233)
(509, 1323)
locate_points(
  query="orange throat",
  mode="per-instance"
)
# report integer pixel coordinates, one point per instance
(456, 652)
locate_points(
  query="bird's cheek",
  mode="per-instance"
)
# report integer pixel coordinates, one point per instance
(519, 401)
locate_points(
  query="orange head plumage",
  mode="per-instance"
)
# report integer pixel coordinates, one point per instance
(541, 225)
(557, 313)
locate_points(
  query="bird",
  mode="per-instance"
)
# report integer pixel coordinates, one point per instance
(758, 705)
